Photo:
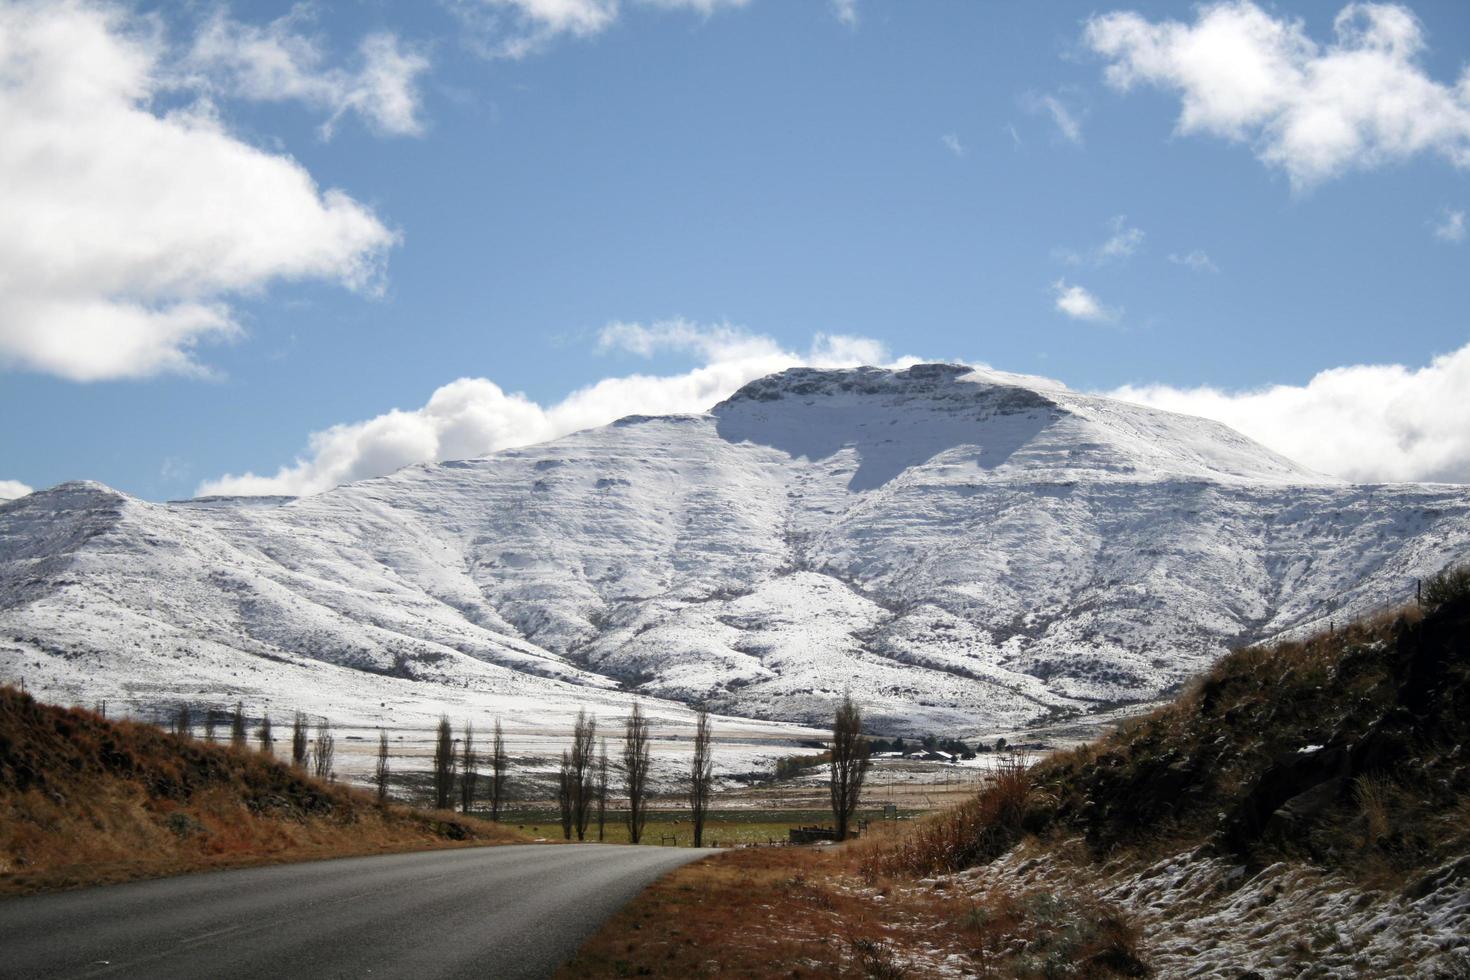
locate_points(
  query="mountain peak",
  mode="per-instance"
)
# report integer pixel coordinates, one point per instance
(1002, 426)
(936, 380)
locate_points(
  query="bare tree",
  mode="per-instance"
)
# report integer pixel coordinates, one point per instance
(444, 764)
(264, 735)
(635, 770)
(583, 735)
(209, 720)
(701, 777)
(602, 792)
(299, 740)
(469, 769)
(564, 794)
(380, 773)
(499, 766)
(849, 765)
(183, 720)
(237, 726)
(323, 750)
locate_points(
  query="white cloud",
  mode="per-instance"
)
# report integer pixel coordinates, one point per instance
(474, 416)
(952, 144)
(1315, 111)
(846, 11)
(10, 489)
(704, 7)
(1450, 227)
(126, 229)
(1196, 260)
(1079, 304)
(1367, 423)
(1067, 120)
(1120, 245)
(278, 62)
(517, 28)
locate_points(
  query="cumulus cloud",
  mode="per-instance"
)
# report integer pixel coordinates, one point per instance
(1067, 120)
(1121, 244)
(1079, 304)
(1367, 423)
(279, 62)
(474, 416)
(1196, 260)
(1314, 110)
(10, 489)
(517, 28)
(952, 143)
(126, 228)
(1450, 227)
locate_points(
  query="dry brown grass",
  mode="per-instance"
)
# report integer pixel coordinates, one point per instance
(84, 801)
(761, 912)
(796, 912)
(979, 829)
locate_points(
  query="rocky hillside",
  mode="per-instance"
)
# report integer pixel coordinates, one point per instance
(963, 550)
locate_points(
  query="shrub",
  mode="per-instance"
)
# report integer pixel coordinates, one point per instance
(978, 830)
(1452, 583)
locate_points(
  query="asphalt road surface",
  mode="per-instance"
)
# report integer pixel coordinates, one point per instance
(493, 912)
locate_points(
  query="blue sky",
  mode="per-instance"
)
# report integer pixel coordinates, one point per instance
(489, 188)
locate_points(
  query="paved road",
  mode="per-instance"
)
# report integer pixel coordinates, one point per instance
(495, 912)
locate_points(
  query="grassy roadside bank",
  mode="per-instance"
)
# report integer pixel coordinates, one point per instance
(87, 801)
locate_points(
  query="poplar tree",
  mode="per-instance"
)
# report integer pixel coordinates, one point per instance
(849, 764)
(602, 792)
(323, 750)
(499, 767)
(701, 776)
(444, 764)
(300, 742)
(583, 734)
(635, 770)
(264, 735)
(237, 726)
(380, 773)
(469, 769)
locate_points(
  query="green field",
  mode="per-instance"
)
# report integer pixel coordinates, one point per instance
(723, 827)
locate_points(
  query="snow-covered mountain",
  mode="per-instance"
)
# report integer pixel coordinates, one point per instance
(963, 550)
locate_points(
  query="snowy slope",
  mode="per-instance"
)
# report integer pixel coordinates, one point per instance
(962, 550)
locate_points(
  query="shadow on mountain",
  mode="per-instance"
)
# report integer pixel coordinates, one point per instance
(891, 423)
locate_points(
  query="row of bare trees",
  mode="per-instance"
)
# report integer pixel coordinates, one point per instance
(582, 783)
(582, 780)
(314, 755)
(456, 772)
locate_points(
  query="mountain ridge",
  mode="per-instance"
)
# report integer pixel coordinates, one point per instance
(964, 549)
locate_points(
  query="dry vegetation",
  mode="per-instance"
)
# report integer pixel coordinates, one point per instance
(797, 913)
(1348, 751)
(84, 800)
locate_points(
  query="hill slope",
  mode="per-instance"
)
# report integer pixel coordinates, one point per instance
(85, 800)
(963, 550)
